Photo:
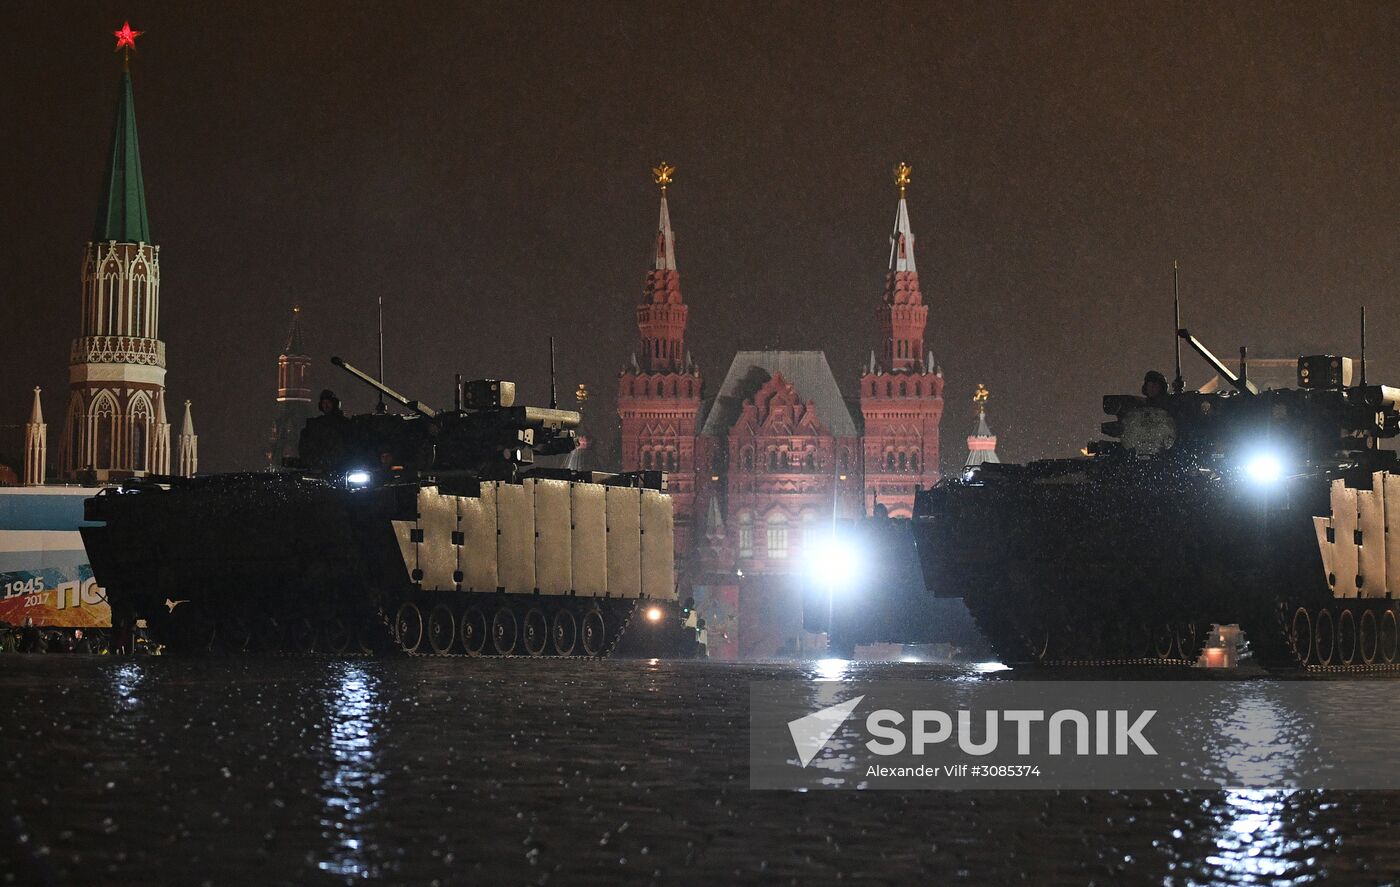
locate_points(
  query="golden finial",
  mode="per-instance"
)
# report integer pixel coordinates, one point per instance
(980, 397)
(662, 174)
(581, 394)
(901, 176)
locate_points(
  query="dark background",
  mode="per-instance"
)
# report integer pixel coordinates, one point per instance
(485, 167)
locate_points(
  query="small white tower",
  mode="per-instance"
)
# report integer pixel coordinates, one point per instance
(189, 445)
(160, 439)
(36, 445)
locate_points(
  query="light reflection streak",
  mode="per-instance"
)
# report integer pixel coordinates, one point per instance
(349, 787)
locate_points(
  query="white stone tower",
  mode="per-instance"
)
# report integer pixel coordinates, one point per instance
(36, 445)
(117, 363)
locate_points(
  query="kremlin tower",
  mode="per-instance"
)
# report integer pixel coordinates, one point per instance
(901, 392)
(981, 443)
(659, 396)
(294, 405)
(114, 422)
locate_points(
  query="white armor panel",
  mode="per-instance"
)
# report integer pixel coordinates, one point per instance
(1370, 523)
(590, 540)
(658, 546)
(476, 556)
(435, 556)
(624, 542)
(553, 538)
(1344, 559)
(515, 540)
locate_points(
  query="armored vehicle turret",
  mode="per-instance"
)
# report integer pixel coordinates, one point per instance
(1263, 508)
(427, 532)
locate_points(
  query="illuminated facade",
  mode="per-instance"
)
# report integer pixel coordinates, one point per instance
(759, 470)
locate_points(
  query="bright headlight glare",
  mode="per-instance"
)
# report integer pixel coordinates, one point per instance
(835, 560)
(1264, 468)
(357, 478)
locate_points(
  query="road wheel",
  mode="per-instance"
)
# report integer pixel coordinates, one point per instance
(535, 632)
(336, 635)
(301, 636)
(1367, 636)
(563, 633)
(1346, 637)
(1163, 642)
(474, 631)
(237, 634)
(408, 627)
(1188, 640)
(503, 631)
(442, 629)
(1301, 634)
(593, 632)
(1389, 637)
(1325, 637)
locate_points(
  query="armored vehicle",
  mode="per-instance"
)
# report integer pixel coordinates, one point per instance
(1264, 508)
(430, 532)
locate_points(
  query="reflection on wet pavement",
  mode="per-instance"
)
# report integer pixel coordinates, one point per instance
(508, 771)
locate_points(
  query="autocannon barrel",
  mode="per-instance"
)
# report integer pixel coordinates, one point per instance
(420, 408)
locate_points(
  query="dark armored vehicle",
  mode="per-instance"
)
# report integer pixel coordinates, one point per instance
(431, 533)
(1263, 508)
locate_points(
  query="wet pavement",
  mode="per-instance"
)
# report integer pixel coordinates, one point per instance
(518, 771)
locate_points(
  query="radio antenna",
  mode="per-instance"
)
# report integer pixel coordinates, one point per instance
(380, 408)
(1363, 344)
(553, 394)
(1178, 384)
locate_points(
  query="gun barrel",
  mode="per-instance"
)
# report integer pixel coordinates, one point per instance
(1243, 386)
(420, 408)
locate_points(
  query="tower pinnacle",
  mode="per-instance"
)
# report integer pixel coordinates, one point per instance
(661, 315)
(121, 210)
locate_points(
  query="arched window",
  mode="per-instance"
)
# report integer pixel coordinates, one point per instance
(746, 459)
(889, 389)
(889, 460)
(745, 534)
(140, 433)
(112, 289)
(903, 462)
(104, 421)
(772, 460)
(811, 461)
(777, 536)
(646, 459)
(670, 460)
(903, 389)
(914, 460)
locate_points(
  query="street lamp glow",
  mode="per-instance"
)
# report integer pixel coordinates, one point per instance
(654, 614)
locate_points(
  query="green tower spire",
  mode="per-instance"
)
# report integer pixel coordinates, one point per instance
(121, 211)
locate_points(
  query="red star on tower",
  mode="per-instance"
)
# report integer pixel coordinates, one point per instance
(126, 37)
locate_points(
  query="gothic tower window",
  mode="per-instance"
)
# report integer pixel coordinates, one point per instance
(140, 433)
(104, 418)
(746, 459)
(745, 535)
(914, 460)
(903, 462)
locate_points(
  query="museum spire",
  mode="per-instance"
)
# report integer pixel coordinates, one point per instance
(903, 314)
(661, 316)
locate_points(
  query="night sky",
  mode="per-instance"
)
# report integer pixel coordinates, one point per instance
(486, 170)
